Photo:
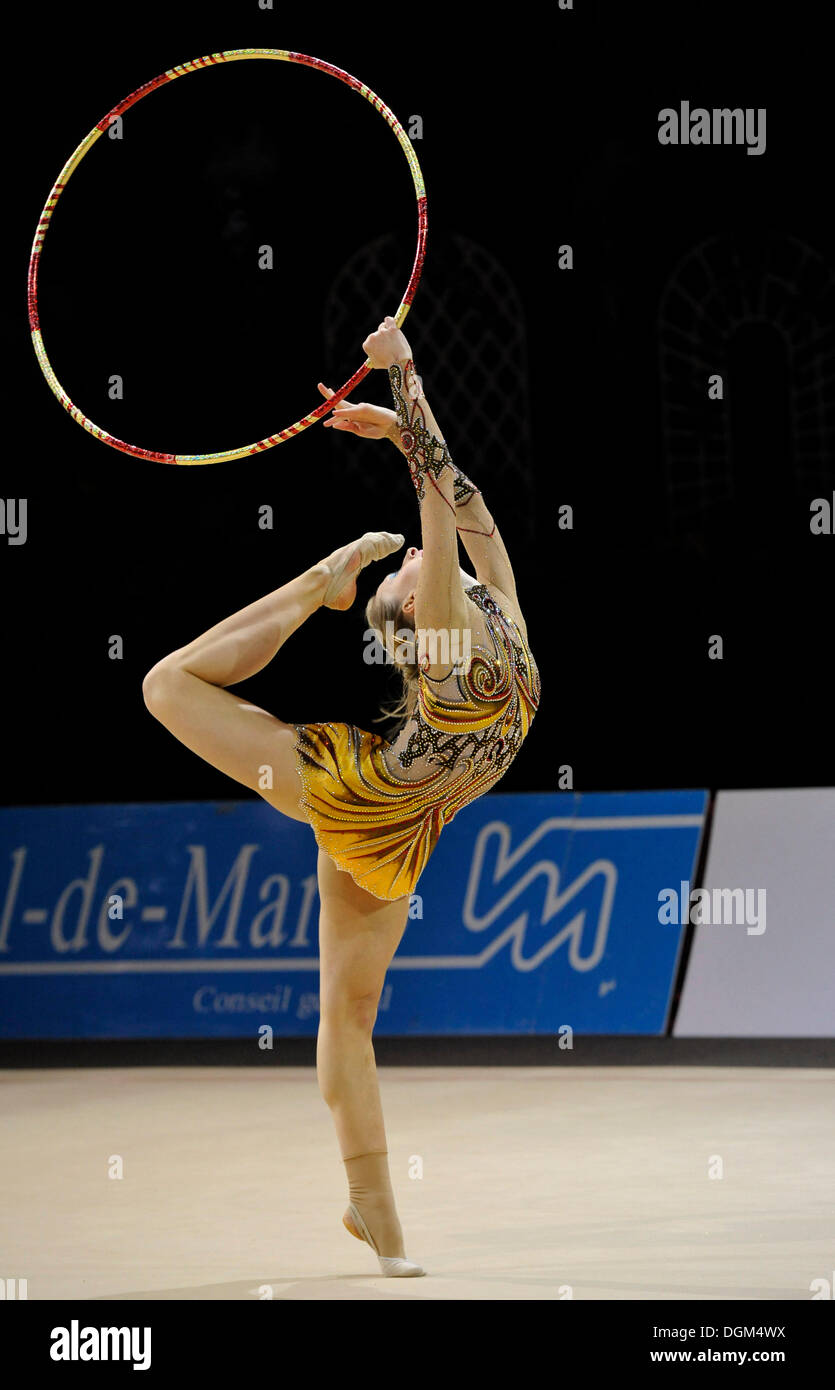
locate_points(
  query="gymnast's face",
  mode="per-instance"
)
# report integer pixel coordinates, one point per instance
(401, 584)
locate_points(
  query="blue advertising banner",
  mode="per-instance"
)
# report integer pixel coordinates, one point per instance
(537, 913)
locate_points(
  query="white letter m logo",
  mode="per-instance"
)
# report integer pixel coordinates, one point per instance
(493, 863)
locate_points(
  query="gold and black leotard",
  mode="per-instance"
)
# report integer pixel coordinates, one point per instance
(378, 807)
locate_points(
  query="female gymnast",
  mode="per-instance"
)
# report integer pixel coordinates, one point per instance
(376, 806)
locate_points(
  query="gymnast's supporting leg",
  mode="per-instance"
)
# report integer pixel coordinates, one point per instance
(358, 936)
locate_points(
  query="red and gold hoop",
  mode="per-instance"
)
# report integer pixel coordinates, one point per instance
(232, 55)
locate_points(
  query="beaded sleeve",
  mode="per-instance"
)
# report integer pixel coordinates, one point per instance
(426, 454)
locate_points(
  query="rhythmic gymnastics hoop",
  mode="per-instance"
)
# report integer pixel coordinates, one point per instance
(231, 55)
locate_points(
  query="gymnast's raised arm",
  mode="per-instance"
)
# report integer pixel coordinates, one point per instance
(440, 603)
(475, 525)
(474, 522)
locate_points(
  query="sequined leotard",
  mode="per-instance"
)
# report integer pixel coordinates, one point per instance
(378, 807)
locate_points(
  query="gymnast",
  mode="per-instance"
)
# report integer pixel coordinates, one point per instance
(376, 806)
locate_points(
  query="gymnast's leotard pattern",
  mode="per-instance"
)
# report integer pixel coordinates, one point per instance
(378, 807)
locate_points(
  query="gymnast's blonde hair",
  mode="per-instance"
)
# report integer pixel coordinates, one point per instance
(385, 616)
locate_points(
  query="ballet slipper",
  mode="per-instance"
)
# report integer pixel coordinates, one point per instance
(392, 1267)
(351, 560)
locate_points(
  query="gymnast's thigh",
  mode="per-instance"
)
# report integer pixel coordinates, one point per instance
(358, 934)
(240, 739)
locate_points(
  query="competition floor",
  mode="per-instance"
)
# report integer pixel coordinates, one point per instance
(537, 1183)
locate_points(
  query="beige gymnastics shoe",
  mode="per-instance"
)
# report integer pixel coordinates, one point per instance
(392, 1267)
(347, 563)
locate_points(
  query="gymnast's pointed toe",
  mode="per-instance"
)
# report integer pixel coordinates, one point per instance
(392, 1266)
(346, 564)
(376, 545)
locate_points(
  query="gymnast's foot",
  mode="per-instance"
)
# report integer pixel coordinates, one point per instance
(345, 564)
(371, 1215)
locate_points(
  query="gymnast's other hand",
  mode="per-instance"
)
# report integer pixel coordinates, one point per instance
(387, 345)
(367, 421)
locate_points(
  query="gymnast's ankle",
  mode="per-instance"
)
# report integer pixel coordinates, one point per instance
(370, 1191)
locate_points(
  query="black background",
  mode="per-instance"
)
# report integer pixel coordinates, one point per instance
(540, 128)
